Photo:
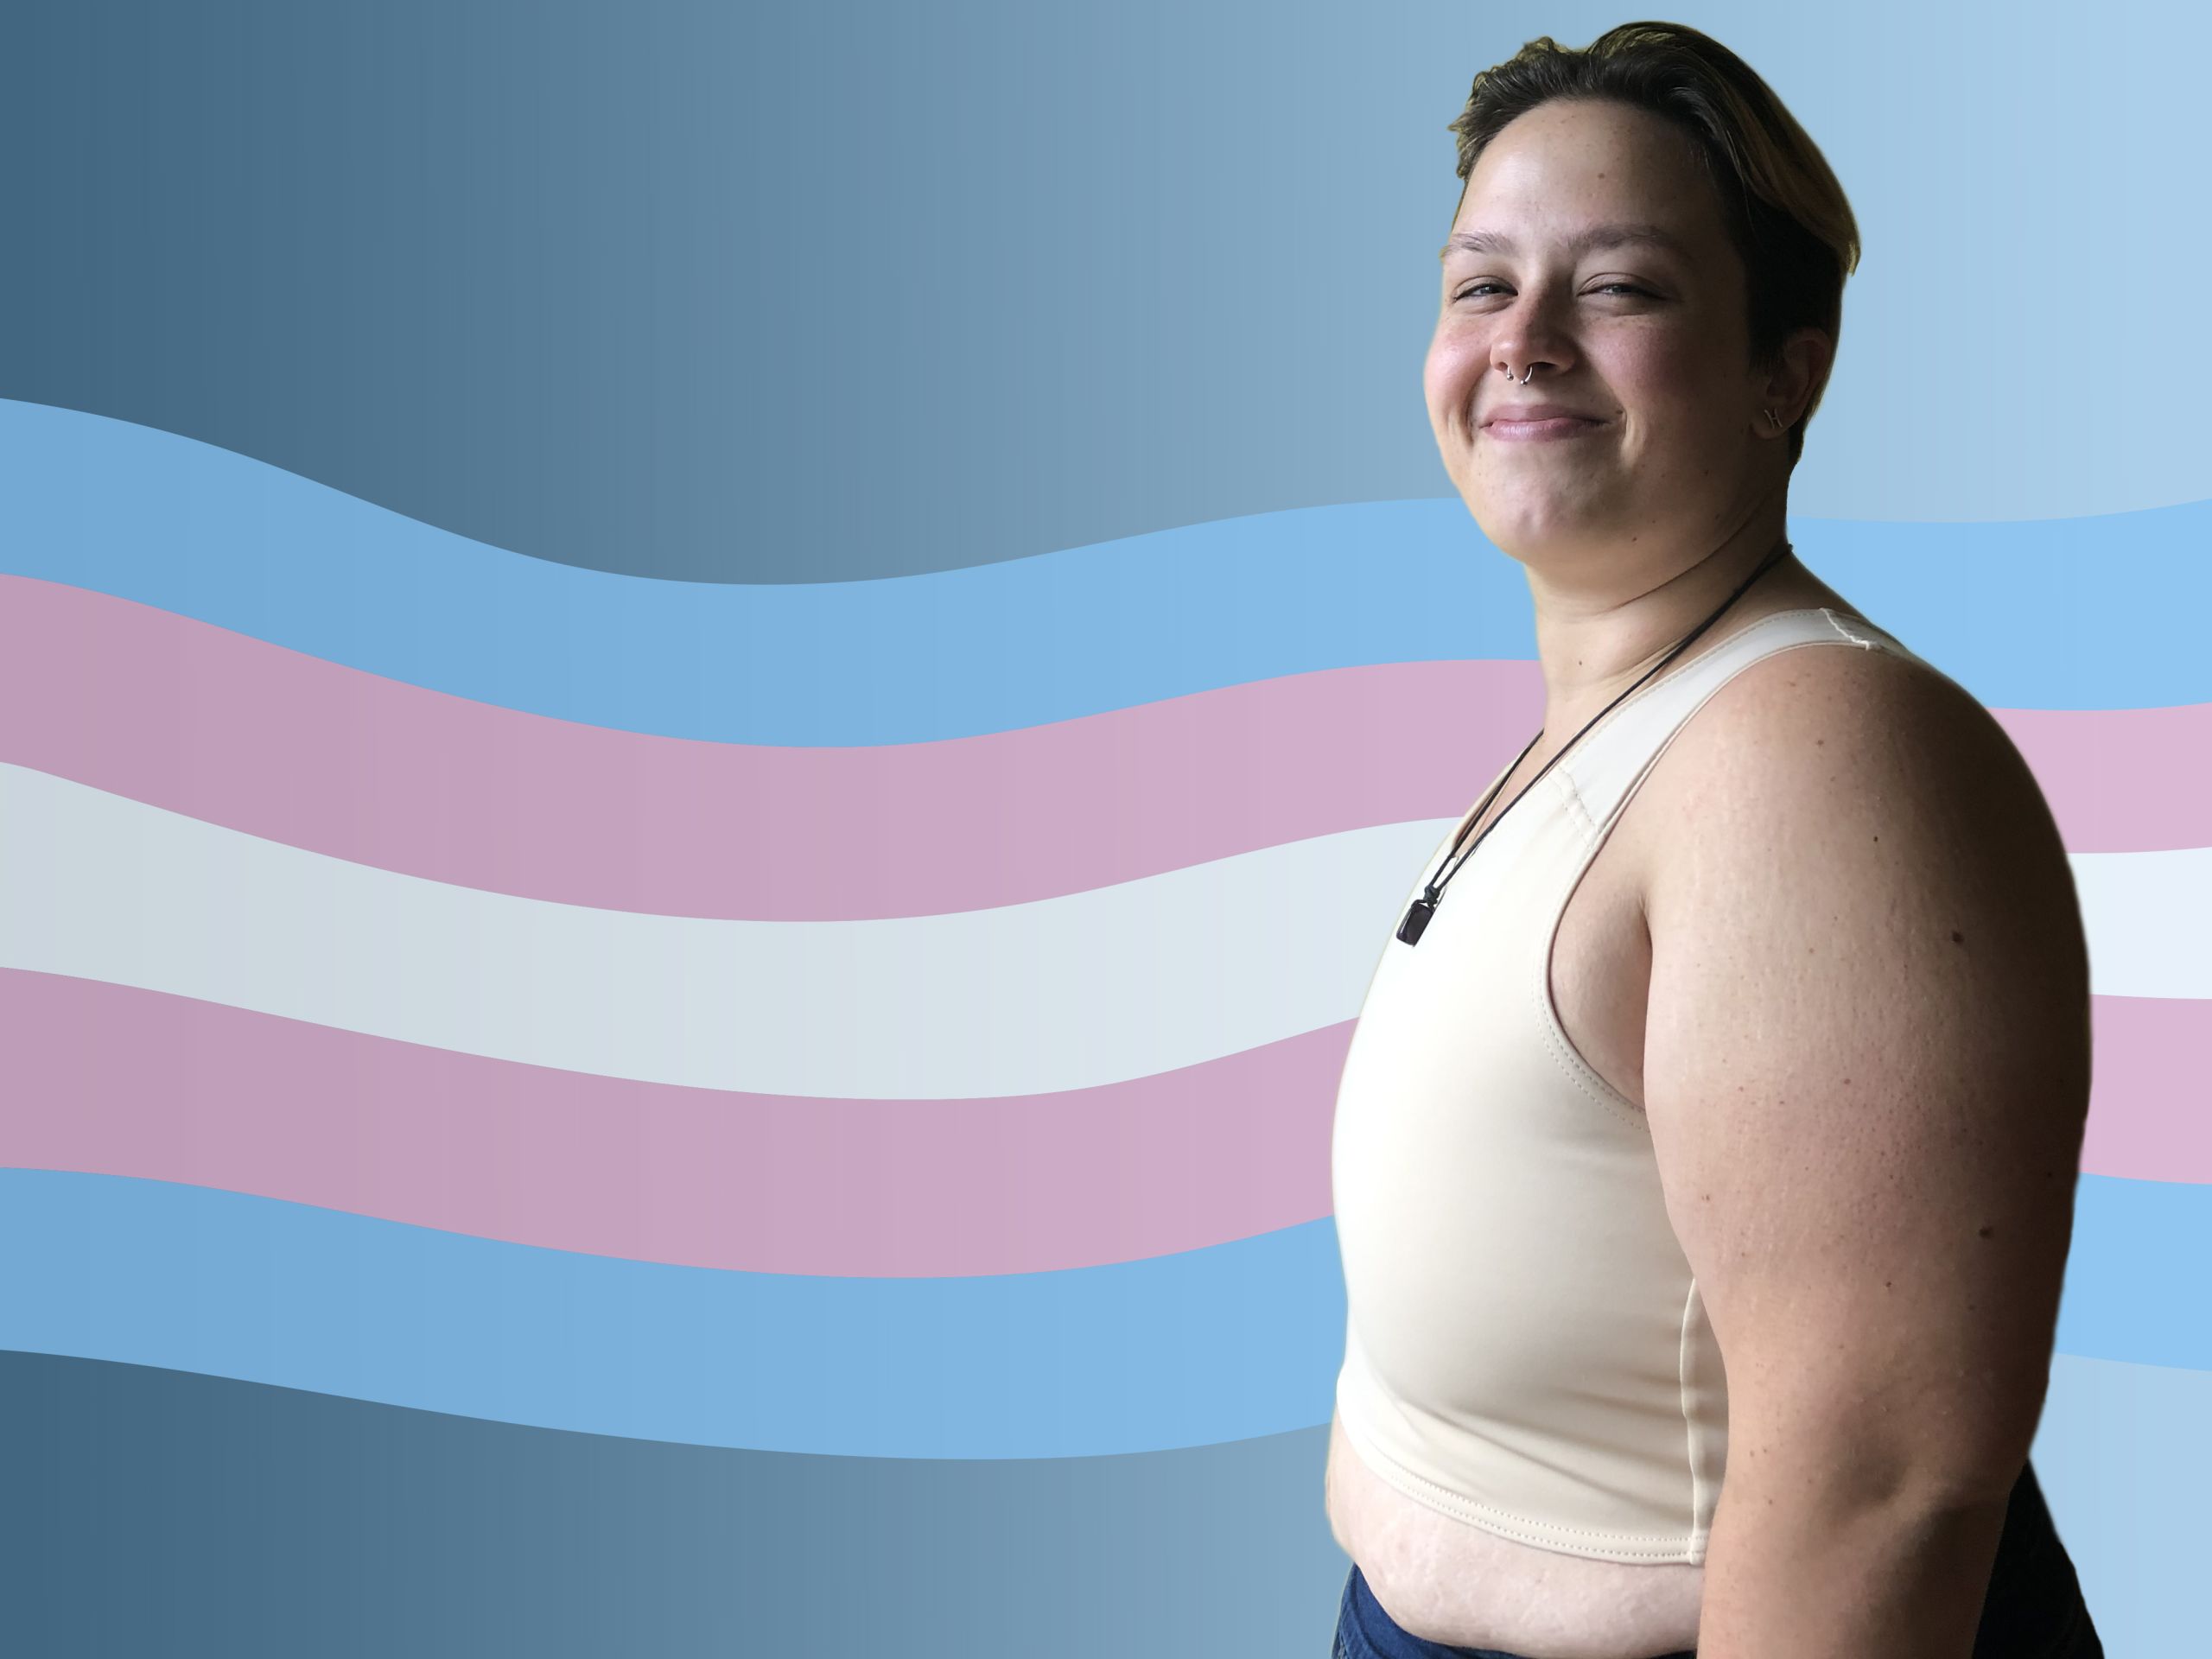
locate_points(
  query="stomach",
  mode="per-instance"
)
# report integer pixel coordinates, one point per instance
(1444, 1580)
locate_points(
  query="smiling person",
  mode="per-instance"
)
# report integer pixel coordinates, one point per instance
(1705, 1155)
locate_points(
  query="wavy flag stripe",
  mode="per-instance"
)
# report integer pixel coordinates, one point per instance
(117, 1081)
(205, 533)
(189, 717)
(249, 1496)
(113, 1080)
(183, 715)
(1240, 1340)
(1065, 993)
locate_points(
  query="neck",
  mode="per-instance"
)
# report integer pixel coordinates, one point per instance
(1594, 639)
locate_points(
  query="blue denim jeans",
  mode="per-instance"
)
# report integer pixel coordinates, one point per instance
(1365, 1632)
(2032, 1609)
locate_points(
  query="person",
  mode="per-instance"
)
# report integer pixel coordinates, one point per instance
(1704, 1155)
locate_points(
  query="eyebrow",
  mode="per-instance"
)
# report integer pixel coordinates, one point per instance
(1597, 236)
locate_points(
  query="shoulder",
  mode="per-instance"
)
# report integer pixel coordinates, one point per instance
(1871, 801)
(1829, 750)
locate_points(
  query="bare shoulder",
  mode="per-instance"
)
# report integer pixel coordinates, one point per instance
(1875, 796)
(1830, 741)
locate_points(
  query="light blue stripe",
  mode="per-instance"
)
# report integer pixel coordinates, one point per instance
(1230, 1343)
(2124, 1461)
(2025, 615)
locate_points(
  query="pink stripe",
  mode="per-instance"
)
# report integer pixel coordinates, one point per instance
(223, 728)
(2115, 777)
(114, 1080)
(2147, 1120)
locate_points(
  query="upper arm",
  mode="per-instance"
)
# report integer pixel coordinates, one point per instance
(1867, 1063)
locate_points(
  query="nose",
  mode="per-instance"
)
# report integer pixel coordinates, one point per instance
(1526, 337)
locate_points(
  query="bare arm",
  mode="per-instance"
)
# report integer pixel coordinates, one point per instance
(1867, 1072)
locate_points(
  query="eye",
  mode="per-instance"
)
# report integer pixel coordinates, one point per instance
(1469, 291)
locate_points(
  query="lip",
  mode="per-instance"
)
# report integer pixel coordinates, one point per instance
(1538, 420)
(1539, 431)
(1536, 412)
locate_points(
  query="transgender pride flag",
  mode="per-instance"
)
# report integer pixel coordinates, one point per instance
(885, 1032)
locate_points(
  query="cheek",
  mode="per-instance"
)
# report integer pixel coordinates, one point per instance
(1669, 381)
(1456, 364)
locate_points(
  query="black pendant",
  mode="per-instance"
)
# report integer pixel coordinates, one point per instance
(1409, 931)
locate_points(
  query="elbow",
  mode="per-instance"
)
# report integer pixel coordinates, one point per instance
(1933, 1459)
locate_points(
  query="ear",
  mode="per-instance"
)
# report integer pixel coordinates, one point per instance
(1800, 376)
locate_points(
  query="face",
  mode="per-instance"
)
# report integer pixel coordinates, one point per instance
(1650, 341)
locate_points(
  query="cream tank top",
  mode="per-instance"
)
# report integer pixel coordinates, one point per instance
(1525, 1349)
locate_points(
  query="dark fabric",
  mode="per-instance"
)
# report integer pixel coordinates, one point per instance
(2031, 1610)
(1365, 1632)
(2033, 1607)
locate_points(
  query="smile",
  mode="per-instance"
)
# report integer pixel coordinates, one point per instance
(1540, 431)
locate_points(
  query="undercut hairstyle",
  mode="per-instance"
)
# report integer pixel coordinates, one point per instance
(1785, 211)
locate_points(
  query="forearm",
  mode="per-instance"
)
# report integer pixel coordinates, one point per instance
(1803, 1564)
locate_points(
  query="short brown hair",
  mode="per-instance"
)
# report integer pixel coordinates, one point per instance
(1786, 214)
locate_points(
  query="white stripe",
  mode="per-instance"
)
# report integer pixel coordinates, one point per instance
(2146, 916)
(1123, 982)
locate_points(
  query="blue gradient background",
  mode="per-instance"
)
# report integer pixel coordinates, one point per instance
(734, 294)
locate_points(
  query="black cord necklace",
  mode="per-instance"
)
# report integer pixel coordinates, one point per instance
(1410, 930)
